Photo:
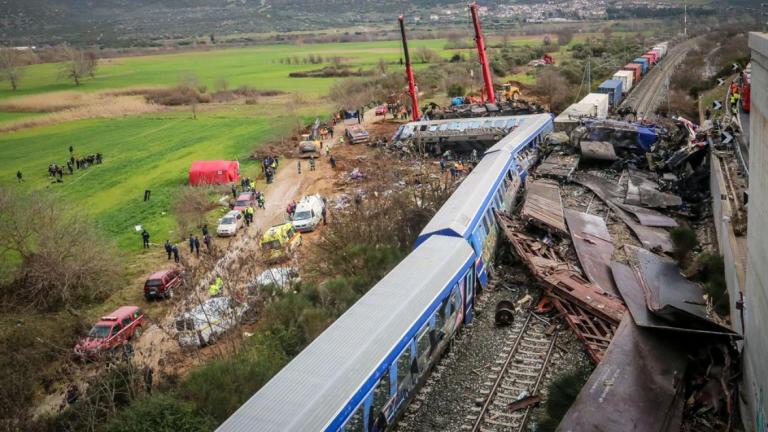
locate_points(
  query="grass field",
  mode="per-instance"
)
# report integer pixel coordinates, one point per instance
(144, 152)
(255, 66)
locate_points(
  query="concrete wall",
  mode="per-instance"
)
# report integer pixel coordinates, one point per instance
(755, 387)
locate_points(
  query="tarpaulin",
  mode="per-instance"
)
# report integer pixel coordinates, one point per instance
(213, 172)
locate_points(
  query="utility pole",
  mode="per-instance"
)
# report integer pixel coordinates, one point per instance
(685, 20)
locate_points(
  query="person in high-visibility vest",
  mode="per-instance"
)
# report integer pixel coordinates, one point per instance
(215, 289)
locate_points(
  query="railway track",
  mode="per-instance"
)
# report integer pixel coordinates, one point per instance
(649, 92)
(519, 372)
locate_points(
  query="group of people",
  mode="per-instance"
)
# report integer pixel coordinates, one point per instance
(456, 168)
(269, 167)
(56, 171)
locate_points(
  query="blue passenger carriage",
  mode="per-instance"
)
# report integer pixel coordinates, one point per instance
(359, 374)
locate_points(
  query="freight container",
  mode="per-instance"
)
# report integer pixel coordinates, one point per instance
(613, 89)
(626, 78)
(651, 56)
(662, 49)
(658, 52)
(643, 62)
(599, 101)
(569, 119)
(636, 70)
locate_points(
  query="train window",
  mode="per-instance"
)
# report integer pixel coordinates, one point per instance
(356, 423)
(422, 343)
(485, 224)
(381, 394)
(440, 315)
(403, 367)
(469, 284)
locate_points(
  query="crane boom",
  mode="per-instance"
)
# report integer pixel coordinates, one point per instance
(481, 54)
(409, 73)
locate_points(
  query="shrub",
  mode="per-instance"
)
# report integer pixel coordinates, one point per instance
(456, 90)
(220, 387)
(712, 271)
(160, 413)
(560, 396)
(684, 241)
(49, 252)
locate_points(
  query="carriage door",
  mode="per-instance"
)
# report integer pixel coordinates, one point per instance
(467, 284)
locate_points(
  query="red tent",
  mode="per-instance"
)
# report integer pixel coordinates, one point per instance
(214, 172)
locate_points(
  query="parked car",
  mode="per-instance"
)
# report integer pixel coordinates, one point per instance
(282, 277)
(309, 213)
(161, 284)
(230, 224)
(111, 333)
(203, 324)
(279, 241)
(246, 199)
(381, 110)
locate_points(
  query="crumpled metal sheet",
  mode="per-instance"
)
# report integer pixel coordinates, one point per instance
(638, 387)
(651, 237)
(649, 217)
(645, 192)
(544, 205)
(634, 297)
(558, 166)
(598, 150)
(594, 247)
(671, 297)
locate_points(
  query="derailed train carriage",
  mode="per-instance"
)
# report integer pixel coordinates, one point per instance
(360, 373)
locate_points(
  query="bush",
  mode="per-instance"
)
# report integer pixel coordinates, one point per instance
(160, 413)
(712, 271)
(220, 387)
(51, 254)
(684, 241)
(560, 396)
(456, 90)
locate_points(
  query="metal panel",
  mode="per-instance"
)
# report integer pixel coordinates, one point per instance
(558, 166)
(636, 388)
(593, 247)
(308, 393)
(543, 205)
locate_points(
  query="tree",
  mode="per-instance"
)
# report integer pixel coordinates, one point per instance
(11, 66)
(77, 64)
(425, 55)
(55, 258)
(553, 86)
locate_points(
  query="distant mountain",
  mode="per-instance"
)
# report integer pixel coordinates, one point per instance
(124, 22)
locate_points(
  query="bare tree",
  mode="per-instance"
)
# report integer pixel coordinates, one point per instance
(564, 36)
(77, 64)
(553, 86)
(60, 260)
(11, 66)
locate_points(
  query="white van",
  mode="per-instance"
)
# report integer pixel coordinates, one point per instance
(201, 325)
(309, 213)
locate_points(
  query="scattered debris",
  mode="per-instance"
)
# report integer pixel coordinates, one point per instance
(598, 150)
(524, 403)
(505, 313)
(543, 205)
(558, 166)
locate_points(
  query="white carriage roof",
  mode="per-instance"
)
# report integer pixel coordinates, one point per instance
(463, 205)
(308, 393)
(529, 126)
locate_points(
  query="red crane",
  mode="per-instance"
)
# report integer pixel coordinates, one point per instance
(481, 53)
(409, 73)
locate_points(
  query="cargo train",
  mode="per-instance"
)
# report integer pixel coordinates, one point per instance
(611, 92)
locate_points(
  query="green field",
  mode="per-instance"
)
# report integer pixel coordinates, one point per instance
(256, 66)
(144, 152)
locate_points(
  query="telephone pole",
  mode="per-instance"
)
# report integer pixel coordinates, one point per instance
(685, 20)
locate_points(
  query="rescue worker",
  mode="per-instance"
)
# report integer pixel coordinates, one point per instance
(207, 241)
(191, 244)
(234, 191)
(260, 200)
(19, 176)
(145, 238)
(175, 251)
(205, 230)
(168, 248)
(312, 163)
(298, 164)
(215, 289)
(249, 212)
